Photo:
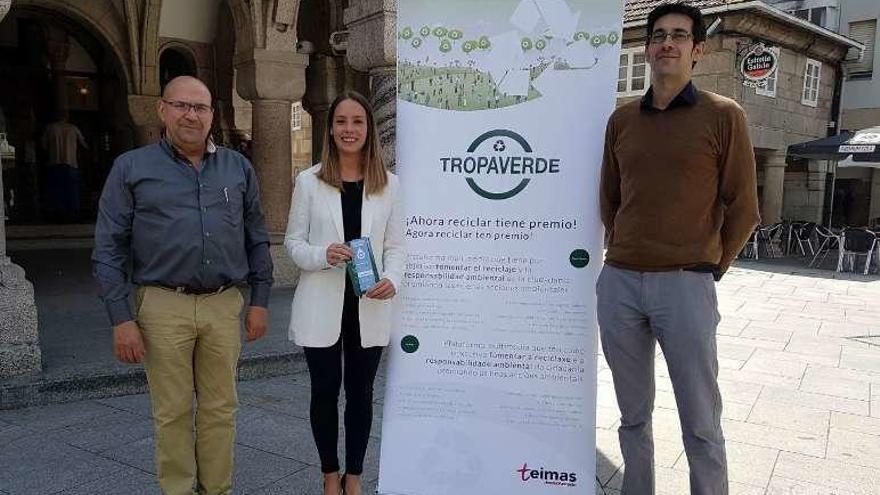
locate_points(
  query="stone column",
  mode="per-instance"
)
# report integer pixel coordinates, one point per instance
(272, 80)
(323, 84)
(372, 48)
(774, 179)
(19, 341)
(147, 127)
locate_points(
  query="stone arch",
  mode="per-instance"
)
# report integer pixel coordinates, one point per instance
(149, 42)
(177, 53)
(243, 21)
(91, 15)
(327, 73)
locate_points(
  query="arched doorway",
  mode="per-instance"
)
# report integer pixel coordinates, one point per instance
(59, 80)
(173, 62)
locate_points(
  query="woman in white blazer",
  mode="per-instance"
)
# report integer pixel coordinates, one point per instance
(347, 196)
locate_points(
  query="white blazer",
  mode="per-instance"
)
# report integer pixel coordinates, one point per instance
(314, 223)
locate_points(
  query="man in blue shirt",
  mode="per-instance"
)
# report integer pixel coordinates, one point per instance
(182, 220)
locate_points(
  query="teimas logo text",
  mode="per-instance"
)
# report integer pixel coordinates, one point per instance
(546, 476)
(499, 164)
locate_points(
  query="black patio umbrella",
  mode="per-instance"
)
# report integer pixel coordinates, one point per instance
(863, 145)
(848, 147)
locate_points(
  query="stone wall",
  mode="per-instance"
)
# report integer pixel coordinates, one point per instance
(804, 197)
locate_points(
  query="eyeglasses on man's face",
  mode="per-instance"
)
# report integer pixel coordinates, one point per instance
(678, 36)
(183, 107)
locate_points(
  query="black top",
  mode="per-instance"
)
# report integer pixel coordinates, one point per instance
(352, 201)
(163, 222)
(686, 98)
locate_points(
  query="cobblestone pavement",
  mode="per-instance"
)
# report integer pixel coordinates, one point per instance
(799, 352)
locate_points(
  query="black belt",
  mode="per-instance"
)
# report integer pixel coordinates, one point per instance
(196, 291)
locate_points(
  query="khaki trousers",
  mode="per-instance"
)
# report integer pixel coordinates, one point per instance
(192, 347)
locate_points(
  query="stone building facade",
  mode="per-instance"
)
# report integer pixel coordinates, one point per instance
(103, 63)
(797, 105)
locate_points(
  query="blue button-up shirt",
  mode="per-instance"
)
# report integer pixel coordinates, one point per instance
(164, 222)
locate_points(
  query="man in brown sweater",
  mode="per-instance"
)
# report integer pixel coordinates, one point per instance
(679, 200)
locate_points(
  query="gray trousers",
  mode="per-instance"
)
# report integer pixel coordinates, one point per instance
(678, 309)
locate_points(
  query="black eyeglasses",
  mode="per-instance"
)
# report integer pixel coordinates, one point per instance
(184, 107)
(678, 37)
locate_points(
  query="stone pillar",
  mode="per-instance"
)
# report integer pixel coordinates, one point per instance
(372, 48)
(774, 181)
(147, 127)
(323, 84)
(19, 341)
(272, 80)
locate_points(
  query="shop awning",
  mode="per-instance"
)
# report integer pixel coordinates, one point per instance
(858, 146)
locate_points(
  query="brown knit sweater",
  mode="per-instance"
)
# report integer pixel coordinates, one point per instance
(678, 186)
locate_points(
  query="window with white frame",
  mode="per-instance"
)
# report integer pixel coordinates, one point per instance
(296, 117)
(769, 88)
(812, 76)
(634, 74)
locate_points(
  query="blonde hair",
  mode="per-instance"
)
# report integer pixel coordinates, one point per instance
(375, 178)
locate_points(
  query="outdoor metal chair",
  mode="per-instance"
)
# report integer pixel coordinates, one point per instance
(854, 243)
(788, 233)
(804, 239)
(827, 240)
(766, 235)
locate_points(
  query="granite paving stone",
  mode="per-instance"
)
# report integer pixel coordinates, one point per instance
(56, 416)
(776, 438)
(139, 454)
(854, 448)
(828, 473)
(255, 469)
(784, 486)
(808, 399)
(856, 423)
(789, 417)
(36, 465)
(137, 404)
(128, 481)
(105, 432)
(821, 382)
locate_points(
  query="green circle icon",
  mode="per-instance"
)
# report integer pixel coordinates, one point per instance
(526, 44)
(409, 344)
(416, 42)
(485, 44)
(425, 31)
(440, 32)
(445, 46)
(540, 44)
(597, 40)
(407, 33)
(579, 258)
(613, 37)
(468, 46)
(455, 34)
(581, 36)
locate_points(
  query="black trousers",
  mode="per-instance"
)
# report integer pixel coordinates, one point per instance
(327, 373)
